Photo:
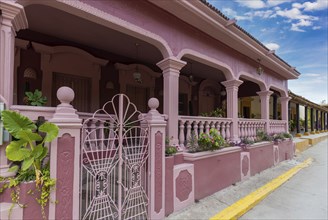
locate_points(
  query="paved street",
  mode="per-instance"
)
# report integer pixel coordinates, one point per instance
(303, 197)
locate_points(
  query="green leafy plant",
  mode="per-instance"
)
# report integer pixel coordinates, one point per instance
(169, 150)
(192, 143)
(218, 112)
(35, 98)
(292, 125)
(211, 141)
(29, 149)
(278, 137)
(262, 136)
(287, 135)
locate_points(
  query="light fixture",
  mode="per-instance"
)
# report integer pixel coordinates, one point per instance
(259, 69)
(30, 73)
(191, 77)
(223, 93)
(109, 85)
(137, 74)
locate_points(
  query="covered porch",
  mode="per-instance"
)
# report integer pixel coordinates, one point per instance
(99, 58)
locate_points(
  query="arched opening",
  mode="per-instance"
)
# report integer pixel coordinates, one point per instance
(53, 27)
(200, 89)
(275, 105)
(249, 103)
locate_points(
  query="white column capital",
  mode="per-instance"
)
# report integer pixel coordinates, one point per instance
(266, 93)
(171, 63)
(285, 99)
(233, 83)
(13, 14)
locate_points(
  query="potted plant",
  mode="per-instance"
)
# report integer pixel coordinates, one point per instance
(211, 141)
(218, 112)
(35, 98)
(29, 151)
(169, 150)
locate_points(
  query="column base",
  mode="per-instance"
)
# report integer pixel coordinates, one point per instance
(312, 132)
(298, 135)
(306, 134)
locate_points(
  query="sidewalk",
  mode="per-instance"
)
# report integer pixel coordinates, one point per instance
(210, 206)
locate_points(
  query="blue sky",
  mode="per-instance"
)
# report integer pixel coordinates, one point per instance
(296, 30)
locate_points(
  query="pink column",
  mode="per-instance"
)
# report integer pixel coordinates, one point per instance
(12, 19)
(284, 110)
(265, 107)
(232, 105)
(65, 157)
(171, 70)
(157, 124)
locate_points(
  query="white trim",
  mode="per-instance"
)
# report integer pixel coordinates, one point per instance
(217, 64)
(208, 154)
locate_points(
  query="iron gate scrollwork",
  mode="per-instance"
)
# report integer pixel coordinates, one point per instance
(114, 163)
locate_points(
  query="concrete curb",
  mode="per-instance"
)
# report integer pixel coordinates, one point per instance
(248, 202)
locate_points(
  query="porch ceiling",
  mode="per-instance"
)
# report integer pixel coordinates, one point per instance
(65, 26)
(200, 70)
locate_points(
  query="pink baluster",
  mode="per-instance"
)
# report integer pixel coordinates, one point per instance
(196, 129)
(207, 127)
(181, 134)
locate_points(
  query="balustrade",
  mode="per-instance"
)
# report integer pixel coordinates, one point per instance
(193, 125)
(249, 127)
(277, 126)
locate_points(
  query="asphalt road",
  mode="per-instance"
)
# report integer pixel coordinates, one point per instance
(302, 197)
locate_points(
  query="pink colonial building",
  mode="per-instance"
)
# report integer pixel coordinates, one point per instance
(187, 54)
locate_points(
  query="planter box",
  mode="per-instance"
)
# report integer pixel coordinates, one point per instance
(214, 170)
(261, 157)
(33, 209)
(286, 150)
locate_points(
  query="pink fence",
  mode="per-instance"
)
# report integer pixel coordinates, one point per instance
(249, 127)
(194, 125)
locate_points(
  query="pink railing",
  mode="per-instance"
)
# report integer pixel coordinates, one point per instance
(249, 127)
(196, 125)
(33, 112)
(277, 126)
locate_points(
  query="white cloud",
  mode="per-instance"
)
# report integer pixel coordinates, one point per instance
(312, 86)
(311, 75)
(272, 46)
(296, 28)
(297, 5)
(233, 14)
(316, 28)
(263, 14)
(277, 2)
(313, 6)
(301, 23)
(255, 4)
(294, 14)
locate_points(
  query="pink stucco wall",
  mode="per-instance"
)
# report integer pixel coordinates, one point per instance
(32, 209)
(286, 150)
(261, 157)
(169, 164)
(215, 173)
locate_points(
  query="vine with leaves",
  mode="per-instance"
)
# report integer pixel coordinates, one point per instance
(28, 148)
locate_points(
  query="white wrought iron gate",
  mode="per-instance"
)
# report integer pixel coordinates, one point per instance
(114, 163)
